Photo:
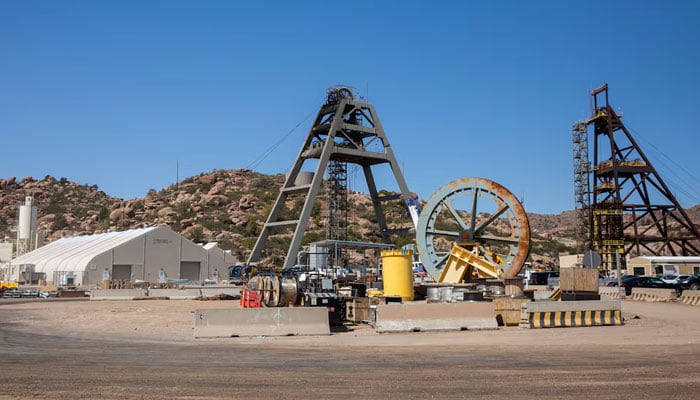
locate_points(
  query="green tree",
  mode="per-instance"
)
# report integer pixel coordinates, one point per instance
(197, 234)
(59, 222)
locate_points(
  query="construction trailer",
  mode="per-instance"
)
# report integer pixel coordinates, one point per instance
(664, 265)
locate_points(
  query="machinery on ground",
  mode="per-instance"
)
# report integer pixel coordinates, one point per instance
(471, 228)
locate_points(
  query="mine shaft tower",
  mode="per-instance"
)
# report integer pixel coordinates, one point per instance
(630, 209)
(345, 131)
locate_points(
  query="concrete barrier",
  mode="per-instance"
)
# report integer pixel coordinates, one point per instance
(559, 314)
(416, 317)
(653, 295)
(176, 294)
(116, 294)
(276, 321)
(691, 297)
(611, 292)
(542, 294)
(215, 291)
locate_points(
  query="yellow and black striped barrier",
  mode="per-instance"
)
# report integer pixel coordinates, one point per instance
(612, 292)
(556, 294)
(559, 319)
(691, 297)
(653, 295)
(559, 314)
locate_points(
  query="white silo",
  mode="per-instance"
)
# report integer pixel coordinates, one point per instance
(26, 226)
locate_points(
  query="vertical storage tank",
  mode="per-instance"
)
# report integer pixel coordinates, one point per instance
(397, 273)
(26, 227)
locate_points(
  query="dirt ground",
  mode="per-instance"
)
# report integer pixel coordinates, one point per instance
(145, 350)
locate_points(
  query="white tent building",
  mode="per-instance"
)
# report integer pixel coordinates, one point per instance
(152, 254)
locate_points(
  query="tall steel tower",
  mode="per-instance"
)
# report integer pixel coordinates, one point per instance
(582, 191)
(345, 131)
(337, 200)
(632, 209)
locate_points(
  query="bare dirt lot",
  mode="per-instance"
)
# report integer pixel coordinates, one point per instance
(144, 349)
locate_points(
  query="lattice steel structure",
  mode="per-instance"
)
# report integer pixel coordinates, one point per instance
(582, 191)
(632, 209)
(345, 130)
(337, 200)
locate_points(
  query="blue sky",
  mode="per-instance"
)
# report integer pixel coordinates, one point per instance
(116, 93)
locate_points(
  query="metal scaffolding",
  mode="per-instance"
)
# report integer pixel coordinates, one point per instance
(582, 191)
(337, 200)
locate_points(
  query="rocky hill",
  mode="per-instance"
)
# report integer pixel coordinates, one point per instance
(226, 206)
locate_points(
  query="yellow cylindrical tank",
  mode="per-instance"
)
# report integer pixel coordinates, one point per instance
(397, 273)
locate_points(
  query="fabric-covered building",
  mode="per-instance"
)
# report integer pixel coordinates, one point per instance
(153, 254)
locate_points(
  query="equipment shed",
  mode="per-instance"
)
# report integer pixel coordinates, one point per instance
(153, 254)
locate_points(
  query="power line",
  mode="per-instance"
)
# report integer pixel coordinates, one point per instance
(693, 195)
(263, 156)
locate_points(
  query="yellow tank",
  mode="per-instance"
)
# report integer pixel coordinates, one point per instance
(397, 273)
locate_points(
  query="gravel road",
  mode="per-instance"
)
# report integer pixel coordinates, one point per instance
(145, 350)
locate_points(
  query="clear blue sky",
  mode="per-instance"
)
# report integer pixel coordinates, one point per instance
(114, 93)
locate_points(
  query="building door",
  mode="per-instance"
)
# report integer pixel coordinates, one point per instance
(189, 270)
(121, 272)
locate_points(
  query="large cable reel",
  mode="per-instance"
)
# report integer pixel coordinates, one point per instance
(494, 232)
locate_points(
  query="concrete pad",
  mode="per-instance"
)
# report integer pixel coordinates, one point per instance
(412, 317)
(176, 294)
(280, 321)
(116, 294)
(215, 291)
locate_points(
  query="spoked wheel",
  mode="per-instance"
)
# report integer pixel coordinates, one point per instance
(479, 213)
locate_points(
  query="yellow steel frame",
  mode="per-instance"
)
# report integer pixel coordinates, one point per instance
(464, 262)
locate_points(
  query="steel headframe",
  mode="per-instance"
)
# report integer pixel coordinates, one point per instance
(345, 130)
(632, 210)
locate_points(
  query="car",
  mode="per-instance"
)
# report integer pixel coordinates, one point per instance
(553, 279)
(668, 278)
(632, 281)
(607, 280)
(673, 278)
(539, 277)
(692, 283)
(12, 293)
(683, 279)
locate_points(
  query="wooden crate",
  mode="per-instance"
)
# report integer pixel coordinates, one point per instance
(507, 309)
(578, 280)
(357, 309)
